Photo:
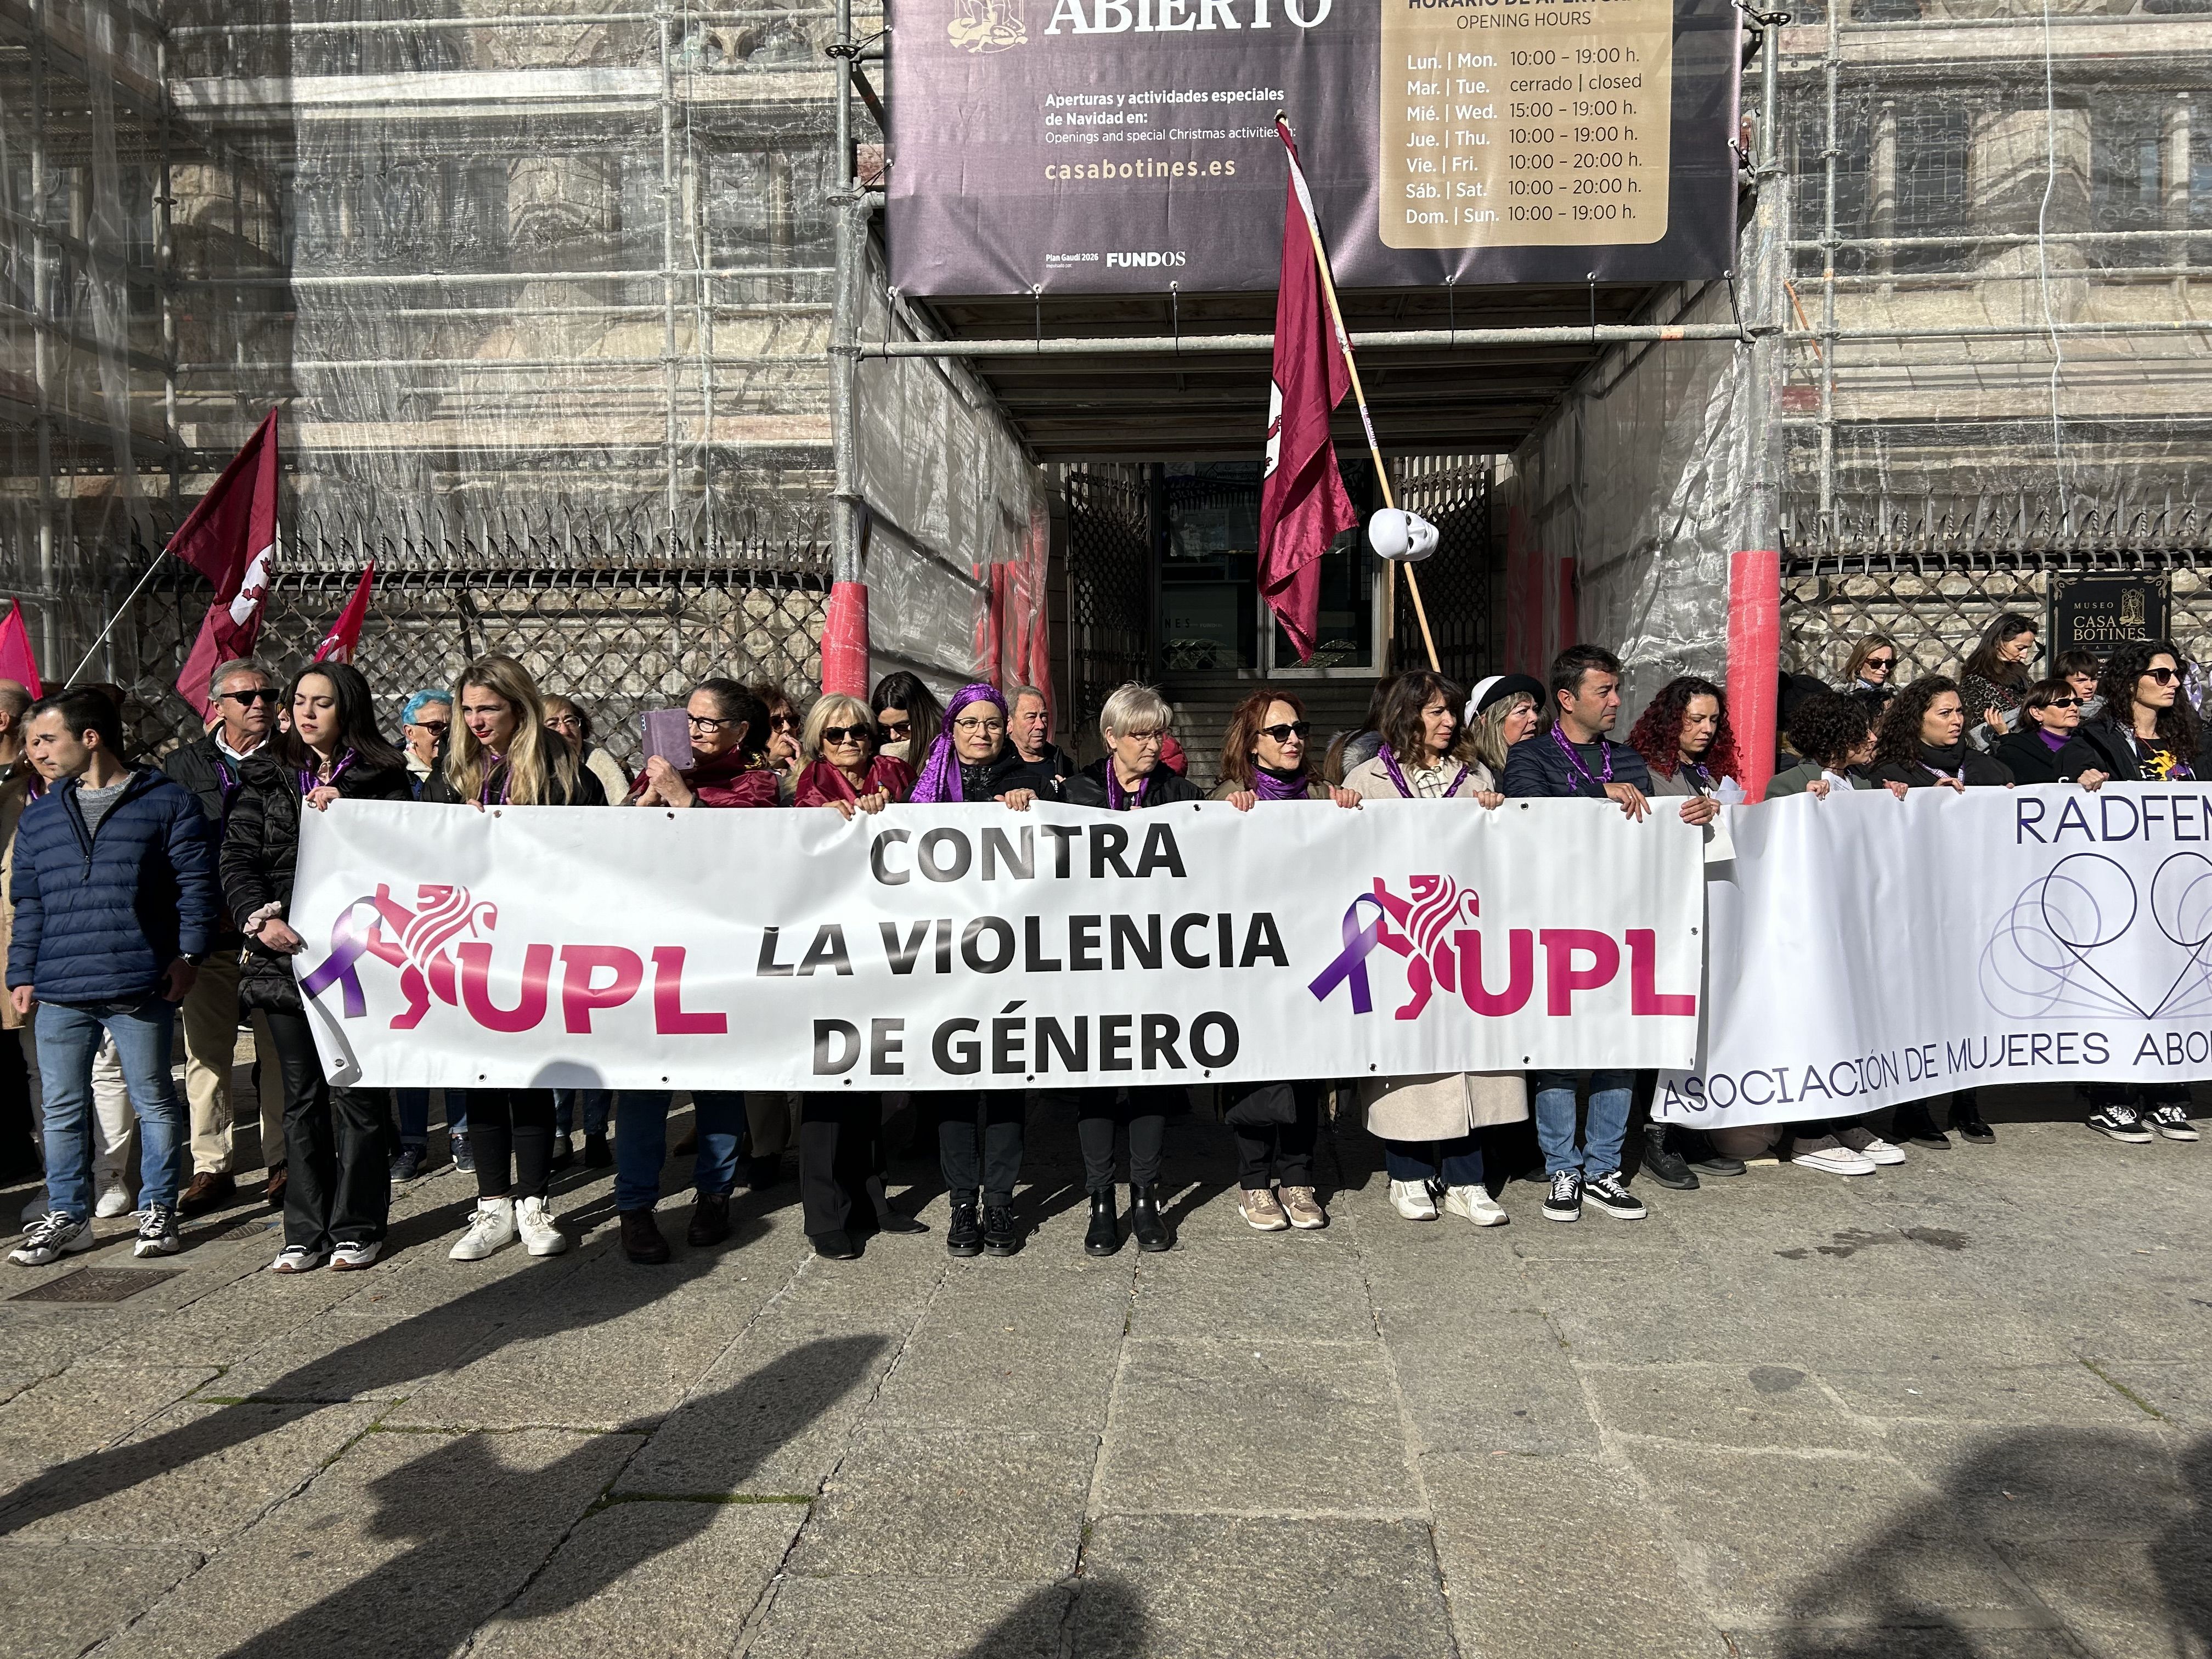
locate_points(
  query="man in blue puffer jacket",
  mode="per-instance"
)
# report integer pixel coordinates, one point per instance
(115, 901)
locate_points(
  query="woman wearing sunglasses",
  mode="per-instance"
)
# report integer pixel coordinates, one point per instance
(2047, 747)
(782, 746)
(908, 717)
(843, 769)
(1265, 756)
(1872, 671)
(2147, 732)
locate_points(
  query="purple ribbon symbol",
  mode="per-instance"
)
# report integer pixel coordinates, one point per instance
(1352, 961)
(347, 948)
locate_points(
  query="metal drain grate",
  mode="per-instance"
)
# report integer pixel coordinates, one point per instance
(97, 1285)
(255, 1228)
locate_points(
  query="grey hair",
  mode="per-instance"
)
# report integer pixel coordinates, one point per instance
(1016, 693)
(1135, 709)
(235, 665)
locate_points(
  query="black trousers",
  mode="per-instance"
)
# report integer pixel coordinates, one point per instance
(1142, 1113)
(979, 1145)
(20, 1138)
(1279, 1152)
(339, 1185)
(841, 1161)
(516, 1123)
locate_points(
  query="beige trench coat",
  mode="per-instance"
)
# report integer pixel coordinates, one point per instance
(1446, 1106)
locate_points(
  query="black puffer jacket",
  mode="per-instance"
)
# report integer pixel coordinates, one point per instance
(260, 849)
(1162, 787)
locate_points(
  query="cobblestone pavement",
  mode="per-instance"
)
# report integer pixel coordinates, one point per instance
(1959, 1407)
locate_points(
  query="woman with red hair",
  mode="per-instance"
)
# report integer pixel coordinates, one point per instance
(1685, 739)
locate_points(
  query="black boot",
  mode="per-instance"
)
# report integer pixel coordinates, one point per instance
(1701, 1152)
(641, 1238)
(964, 1235)
(1912, 1123)
(1104, 1237)
(1000, 1235)
(1966, 1118)
(710, 1220)
(1152, 1233)
(835, 1247)
(598, 1155)
(1664, 1163)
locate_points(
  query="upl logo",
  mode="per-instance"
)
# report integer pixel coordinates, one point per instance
(444, 956)
(1432, 928)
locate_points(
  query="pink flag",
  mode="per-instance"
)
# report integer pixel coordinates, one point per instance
(16, 662)
(343, 641)
(231, 539)
(1302, 506)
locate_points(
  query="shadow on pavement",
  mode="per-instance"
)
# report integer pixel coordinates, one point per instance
(2096, 1538)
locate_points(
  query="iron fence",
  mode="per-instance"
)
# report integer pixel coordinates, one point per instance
(1453, 493)
(1109, 587)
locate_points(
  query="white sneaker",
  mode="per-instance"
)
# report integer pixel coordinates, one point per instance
(490, 1228)
(114, 1201)
(349, 1258)
(54, 1235)
(296, 1259)
(1410, 1200)
(1476, 1204)
(1869, 1146)
(535, 1223)
(1835, 1158)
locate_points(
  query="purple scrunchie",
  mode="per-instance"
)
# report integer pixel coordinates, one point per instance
(940, 776)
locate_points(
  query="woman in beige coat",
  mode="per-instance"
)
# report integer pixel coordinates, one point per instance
(1428, 1125)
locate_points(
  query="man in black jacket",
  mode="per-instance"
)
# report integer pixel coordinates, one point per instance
(1029, 730)
(244, 699)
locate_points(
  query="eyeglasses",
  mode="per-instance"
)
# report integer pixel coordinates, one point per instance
(266, 694)
(1285, 733)
(2163, 675)
(2063, 703)
(701, 725)
(844, 734)
(892, 730)
(435, 728)
(781, 723)
(565, 723)
(973, 725)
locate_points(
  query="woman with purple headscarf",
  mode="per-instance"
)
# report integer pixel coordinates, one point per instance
(1265, 757)
(971, 759)
(978, 1148)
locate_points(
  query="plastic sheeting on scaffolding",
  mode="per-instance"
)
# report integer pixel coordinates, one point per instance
(955, 529)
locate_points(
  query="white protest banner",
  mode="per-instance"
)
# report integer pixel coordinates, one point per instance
(950, 947)
(1867, 951)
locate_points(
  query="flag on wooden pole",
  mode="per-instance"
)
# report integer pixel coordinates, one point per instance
(231, 539)
(1303, 504)
(16, 662)
(342, 642)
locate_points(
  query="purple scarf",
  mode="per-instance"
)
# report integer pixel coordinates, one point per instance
(1269, 787)
(2054, 741)
(940, 775)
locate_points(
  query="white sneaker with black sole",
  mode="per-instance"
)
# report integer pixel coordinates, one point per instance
(2172, 1121)
(1565, 1201)
(52, 1237)
(157, 1232)
(297, 1259)
(1610, 1194)
(2120, 1123)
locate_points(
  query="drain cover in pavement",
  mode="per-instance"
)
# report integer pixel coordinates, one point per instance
(253, 1229)
(97, 1285)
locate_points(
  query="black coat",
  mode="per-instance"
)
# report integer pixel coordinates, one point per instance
(260, 851)
(1977, 770)
(2031, 759)
(2115, 750)
(590, 792)
(1048, 776)
(1162, 787)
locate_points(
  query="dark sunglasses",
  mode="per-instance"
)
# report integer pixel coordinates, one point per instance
(1882, 662)
(439, 726)
(844, 734)
(266, 694)
(1285, 733)
(781, 723)
(2063, 703)
(892, 730)
(2163, 675)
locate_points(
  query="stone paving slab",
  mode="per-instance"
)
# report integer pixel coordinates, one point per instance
(1960, 1409)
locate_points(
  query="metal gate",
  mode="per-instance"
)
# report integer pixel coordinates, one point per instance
(1457, 581)
(1110, 587)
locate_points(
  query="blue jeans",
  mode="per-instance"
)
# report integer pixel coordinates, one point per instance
(414, 1108)
(1456, 1162)
(594, 1102)
(1608, 1125)
(69, 1034)
(642, 1144)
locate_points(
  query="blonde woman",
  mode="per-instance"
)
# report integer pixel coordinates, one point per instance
(1501, 711)
(500, 754)
(1428, 1125)
(842, 768)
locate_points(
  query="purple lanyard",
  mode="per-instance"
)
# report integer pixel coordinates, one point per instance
(505, 776)
(1605, 753)
(1405, 789)
(1957, 776)
(1119, 799)
(309, 782)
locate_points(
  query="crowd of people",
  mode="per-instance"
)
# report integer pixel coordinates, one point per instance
(141, 900)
